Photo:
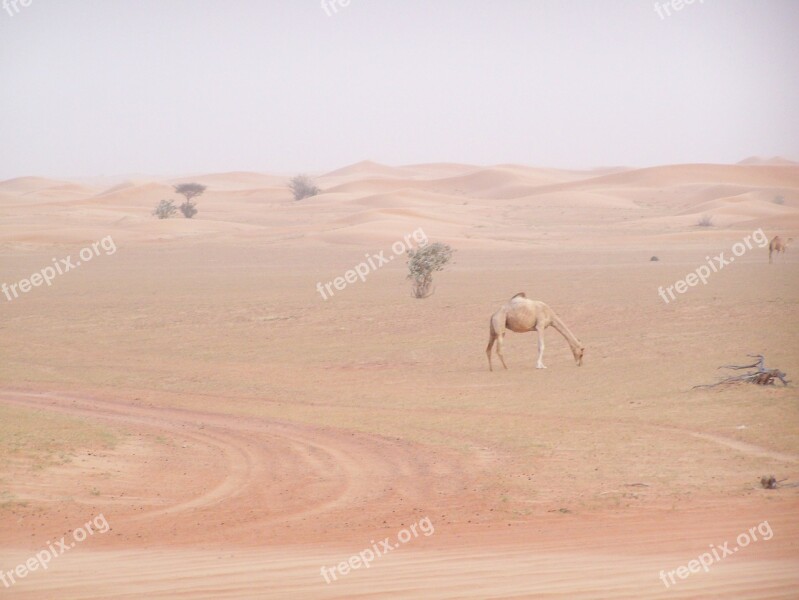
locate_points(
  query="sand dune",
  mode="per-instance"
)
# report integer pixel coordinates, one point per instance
(39, 190)
(135, 192)
(405, 198)
(774, 160)
(238, 180)
(26, 185)
(124, 186)
(747, 205)
(784, 177)
(498, 182)
(366, 169)
(373, 185)
(438, 170)
(670, 197)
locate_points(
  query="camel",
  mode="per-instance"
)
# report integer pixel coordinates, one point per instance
(521, 315)
(777, 245)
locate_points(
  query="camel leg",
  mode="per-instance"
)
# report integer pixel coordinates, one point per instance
(769, 255)
(540, 364)
(500, 338)
(497, 334)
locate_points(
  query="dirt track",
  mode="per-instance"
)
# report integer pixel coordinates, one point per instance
(254, 480)
(267, 483)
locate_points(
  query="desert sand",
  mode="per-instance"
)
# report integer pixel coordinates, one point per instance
(239, 432)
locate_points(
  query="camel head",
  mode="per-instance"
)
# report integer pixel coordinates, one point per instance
(578, 352)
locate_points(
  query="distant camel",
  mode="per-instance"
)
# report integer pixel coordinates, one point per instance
(777, 245)
(521, 315)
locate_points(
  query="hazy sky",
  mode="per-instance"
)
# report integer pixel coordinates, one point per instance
(104, 87)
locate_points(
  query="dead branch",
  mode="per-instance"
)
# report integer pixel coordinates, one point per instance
(759, 364)
(762, 376)
(770, 482)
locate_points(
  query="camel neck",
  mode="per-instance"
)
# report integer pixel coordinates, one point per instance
(565, 332)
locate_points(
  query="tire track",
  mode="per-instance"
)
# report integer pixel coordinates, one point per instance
(276, 474)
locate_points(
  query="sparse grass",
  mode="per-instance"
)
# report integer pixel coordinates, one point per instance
(42, 439)
(8, 500)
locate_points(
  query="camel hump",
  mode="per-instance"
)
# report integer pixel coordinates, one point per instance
(519, 295)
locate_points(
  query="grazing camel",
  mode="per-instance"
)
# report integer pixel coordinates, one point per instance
(777, 245)
(521, 315)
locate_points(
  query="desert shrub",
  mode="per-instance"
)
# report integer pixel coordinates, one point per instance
(422, 263)
(165, 209)
(705, 221)
(189, 209)
(303, 186)
(779, 200)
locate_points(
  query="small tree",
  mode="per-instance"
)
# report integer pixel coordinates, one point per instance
(165, 209)
(189, 191)
(303, 186)
(422, 263)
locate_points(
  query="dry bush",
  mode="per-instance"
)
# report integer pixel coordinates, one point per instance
(303, 186)
(165, 209)
(705, 221)
(422, 263)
